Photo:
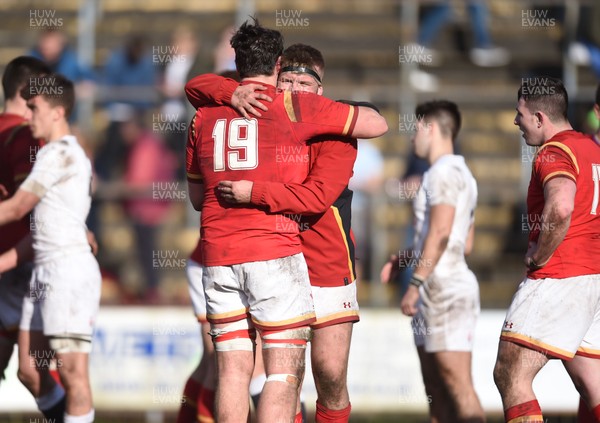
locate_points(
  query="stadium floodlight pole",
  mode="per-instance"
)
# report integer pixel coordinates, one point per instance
(86, 46)
(245, 9)
(570, 68)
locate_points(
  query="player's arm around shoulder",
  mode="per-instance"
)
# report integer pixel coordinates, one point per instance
(369, 122)
(209, 89)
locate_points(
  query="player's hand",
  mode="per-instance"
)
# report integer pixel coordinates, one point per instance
(530, 262)
(3, 192)
(408, 305)
(91, 238)
(236, 192)
(390, 270)
(245, 99)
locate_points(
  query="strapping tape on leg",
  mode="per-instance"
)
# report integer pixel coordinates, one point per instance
(238, 336)
(287, 338)
(71, 343)
(284, 377)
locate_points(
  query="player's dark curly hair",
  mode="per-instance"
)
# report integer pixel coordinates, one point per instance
(303, 55)
(18, 72)
(256, 49)
(547, 95)
(598, 95)
(445, 113)
(54, 88)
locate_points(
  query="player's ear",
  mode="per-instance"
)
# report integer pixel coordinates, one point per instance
(320, 90)
(540, 119)
(597, 111)
(278, 65)
(58, 112)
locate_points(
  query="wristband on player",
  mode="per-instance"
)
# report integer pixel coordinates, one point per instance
(416, 281)
(531, 264)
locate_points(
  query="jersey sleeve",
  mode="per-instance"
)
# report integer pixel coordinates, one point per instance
(445, 186)
(328, 176)
(50, 168)
(22, 153)
(192, 150)
(555, 159)
(210, 89)
(313, 115)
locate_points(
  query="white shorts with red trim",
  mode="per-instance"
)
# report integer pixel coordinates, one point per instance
(447, 312)
(275, 293)
(193, 270)
(335, 305)
(558, 317)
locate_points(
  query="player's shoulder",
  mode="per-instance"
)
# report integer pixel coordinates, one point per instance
(15, 133)
(63, 149)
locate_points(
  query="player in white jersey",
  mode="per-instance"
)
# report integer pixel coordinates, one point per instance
(443, 295)
(65, 285)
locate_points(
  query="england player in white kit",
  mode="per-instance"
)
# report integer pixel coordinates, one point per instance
(443, 295)
(65, 286)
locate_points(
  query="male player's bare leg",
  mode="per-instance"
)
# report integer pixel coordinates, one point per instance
(330, 348)
(515, 369)
(72, 355)
(284, 359)
(454, 368)
(585, 374)
(35, 357)
(7, 346)
(198, 403)
(234, 347)
(437, 396)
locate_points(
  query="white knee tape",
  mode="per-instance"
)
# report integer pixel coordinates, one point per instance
(71, 343)
(237, 336)
(287, 338)
(284, 377)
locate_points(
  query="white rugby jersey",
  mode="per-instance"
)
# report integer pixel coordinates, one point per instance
(61, 177)
(448, 181)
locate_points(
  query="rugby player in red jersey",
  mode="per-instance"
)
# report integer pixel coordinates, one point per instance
(555, 312)
(254, 272)
(584, 415)
(323, 195)
(18, 148)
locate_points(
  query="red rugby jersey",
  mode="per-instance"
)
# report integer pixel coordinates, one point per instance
(572, 155)
(197, 253)
(325, 200)
(18, 148)
(224, 146)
